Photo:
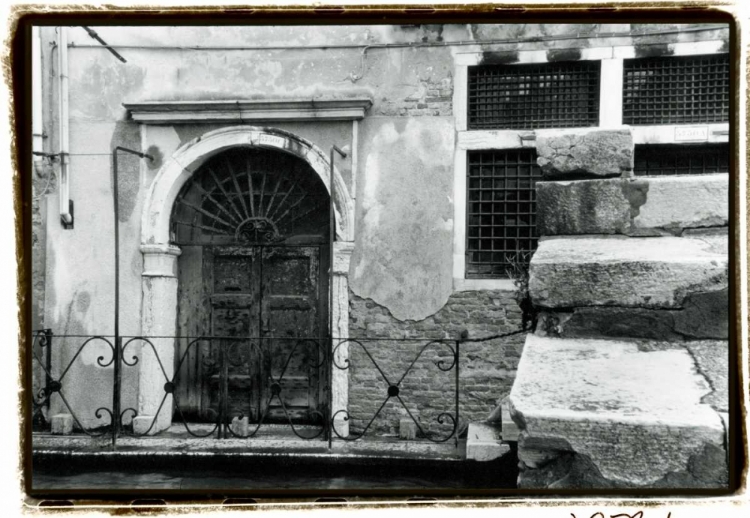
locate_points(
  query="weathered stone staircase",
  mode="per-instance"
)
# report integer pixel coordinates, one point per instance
(624, 382)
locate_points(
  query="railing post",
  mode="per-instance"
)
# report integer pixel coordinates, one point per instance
(47, 360)
(458, 423)
(329, 381)
(223, 390)
(116, 391)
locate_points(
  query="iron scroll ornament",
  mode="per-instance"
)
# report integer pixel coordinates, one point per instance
(393, 391)
(56, 385)
(257, 230)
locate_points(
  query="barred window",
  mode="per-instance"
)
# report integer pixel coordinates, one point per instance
(542, 95)
(676, 90)
(662, 160)
(501, 206)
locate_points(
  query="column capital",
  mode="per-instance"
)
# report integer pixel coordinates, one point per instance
(342, 254)
(160, 260)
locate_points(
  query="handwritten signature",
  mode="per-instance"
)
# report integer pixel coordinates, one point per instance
(600, 514)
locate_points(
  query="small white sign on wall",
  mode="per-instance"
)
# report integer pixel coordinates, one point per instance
(271, 140)
(694, 133)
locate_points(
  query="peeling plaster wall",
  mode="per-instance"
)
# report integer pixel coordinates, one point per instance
(402, 255)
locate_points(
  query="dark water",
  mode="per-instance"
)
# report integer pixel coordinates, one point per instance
(287, 473)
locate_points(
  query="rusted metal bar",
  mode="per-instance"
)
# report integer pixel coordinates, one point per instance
(94, 35)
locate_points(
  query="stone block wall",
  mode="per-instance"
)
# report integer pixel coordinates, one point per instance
(630, 283)
(487, 369)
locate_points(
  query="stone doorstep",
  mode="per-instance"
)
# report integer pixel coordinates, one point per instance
(484, 443)
(614, 404)
(633, 206)
(648, 272)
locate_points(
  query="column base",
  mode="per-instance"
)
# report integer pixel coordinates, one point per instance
(142, 424)
(341, 426)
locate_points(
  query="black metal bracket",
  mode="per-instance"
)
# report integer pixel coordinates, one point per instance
(69, 226)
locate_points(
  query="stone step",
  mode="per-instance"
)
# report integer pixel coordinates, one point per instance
(484, 442)
(635, 272)
(642, 206)
(634, 413)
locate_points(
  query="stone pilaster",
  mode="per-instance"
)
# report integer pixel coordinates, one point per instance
(342, 252)
(159, 316)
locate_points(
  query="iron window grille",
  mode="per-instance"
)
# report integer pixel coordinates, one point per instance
(663, 160)
(501, 209)
(540, 95)
(676, 90)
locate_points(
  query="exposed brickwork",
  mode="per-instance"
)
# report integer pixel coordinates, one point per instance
(434, 96)
(438, 104)
(487, 369)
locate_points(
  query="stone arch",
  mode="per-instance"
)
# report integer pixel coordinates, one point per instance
(159, 277)
(179, 168)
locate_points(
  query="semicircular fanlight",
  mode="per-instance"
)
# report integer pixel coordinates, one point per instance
(251, 196)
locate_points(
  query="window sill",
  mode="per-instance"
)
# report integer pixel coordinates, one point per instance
(482, 284)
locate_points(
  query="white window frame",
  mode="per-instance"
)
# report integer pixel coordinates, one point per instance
(610, 117)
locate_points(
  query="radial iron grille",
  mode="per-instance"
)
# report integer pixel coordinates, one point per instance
(251, 196)
(676, 90)
(547, 95)
(662, 160)
(501, 203)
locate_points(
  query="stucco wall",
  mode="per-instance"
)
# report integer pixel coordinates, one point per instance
(402, 255)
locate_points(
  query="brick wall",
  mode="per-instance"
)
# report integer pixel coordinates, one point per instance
(487, 369)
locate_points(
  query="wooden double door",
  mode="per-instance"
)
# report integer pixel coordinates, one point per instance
(265, 309)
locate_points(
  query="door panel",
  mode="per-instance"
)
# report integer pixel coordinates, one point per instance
(249, 292)
(290, 288)
(235, 313)
(195, 273)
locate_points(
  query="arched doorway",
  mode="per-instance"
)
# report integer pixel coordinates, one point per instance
(160, 262)
(253, 227)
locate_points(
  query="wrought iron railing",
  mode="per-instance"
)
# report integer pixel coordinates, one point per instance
(414, 379)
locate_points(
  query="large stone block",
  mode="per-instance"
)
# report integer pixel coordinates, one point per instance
(653, 272)
(610, 404)
(632, 206)
(704, 315)
(582, 207)
(584, 153)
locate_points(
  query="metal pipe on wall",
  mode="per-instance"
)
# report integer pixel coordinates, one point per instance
(66, 218)
(37, 128)
(116, 415)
